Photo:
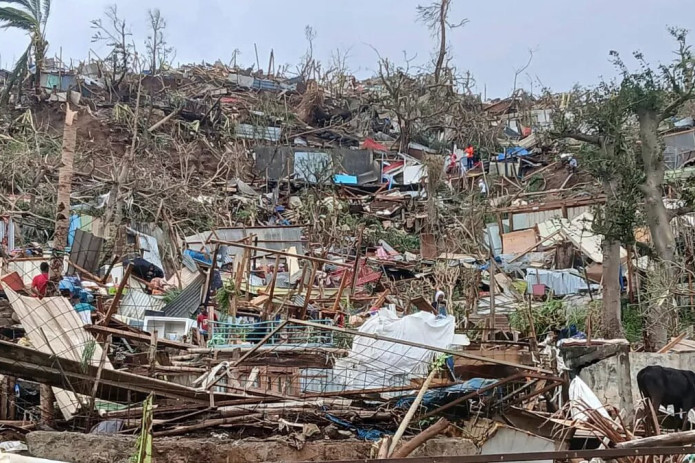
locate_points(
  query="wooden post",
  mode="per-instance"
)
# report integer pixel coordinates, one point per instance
(238, 277)
(95, 387)
(269, 303)
(339, 296)
(355, 269)
(493, 284)
(47, 405)
(5, 397)
(411, 411)
(113, 308)
(153, 353)
(533, 344)
(12, 406)
(310, 286)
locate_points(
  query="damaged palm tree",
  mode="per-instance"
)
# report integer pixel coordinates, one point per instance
(62, 224)
(30, 16)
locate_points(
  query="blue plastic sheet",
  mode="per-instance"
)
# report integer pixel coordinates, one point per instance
(365, 434)
(438, 397)
(511, 152)
(198, 257)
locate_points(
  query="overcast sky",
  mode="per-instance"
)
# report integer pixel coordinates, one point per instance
(570, 38)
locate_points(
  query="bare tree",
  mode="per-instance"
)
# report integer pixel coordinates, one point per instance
(115, 33)
(308, 63)
(435, 16)
(158, 51)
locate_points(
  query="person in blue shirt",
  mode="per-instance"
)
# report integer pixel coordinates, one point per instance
(83, 308)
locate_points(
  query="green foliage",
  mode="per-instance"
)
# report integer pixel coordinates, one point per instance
(632, 320)
(143, 453)
(224, 295)
(170, 295)
(552, 314)
(87, 355)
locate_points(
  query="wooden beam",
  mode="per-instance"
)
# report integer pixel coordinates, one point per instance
(119, 294)
(269, 303)
(356, 267)
(113, 385)
(142, 337)
(310, 286)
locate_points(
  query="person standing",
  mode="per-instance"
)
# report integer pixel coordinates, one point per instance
(483, 187)
(439, 305)
(203, 323)
(39, 283)
(470, 155)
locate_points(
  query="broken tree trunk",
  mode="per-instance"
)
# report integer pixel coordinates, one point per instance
(65, 173)
(411, 412)
(676, 438)
(610, 314)
(410, 446)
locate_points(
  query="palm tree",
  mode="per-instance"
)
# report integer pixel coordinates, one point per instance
(29, 16)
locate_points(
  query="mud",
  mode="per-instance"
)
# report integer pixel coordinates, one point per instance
(88, 448)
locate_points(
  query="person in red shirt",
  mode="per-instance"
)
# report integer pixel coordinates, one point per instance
(469, 156)
(203, 322)
(40, 282)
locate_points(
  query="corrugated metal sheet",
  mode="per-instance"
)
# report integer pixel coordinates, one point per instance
(255, 132)
(135, 303)
(85, 251)
(531, 219)
(7, 231)
(275, 238)
(187, 301)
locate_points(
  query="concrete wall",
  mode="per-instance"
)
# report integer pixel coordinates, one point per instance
(90, 448)
(274, 159)
(604, 379)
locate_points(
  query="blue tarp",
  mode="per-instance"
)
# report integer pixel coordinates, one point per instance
(511, 152)
(366, 434)
(438, 397)
(75, 223)
(342, 179)
(198, 257)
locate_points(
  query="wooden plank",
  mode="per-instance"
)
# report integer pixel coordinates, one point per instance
(517, 242)
(310, 286)
(113, 385)
(119, 294)
(142, 337)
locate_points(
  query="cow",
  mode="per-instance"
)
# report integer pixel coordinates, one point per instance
(668, 386)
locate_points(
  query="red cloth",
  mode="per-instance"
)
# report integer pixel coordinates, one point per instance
(203, 321)
(370, 144)
(40, 283)
(469, 152)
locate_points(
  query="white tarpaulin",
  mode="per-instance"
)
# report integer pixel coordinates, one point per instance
(54, 327)
(561, 282)
(374, 363)
(582, 398)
